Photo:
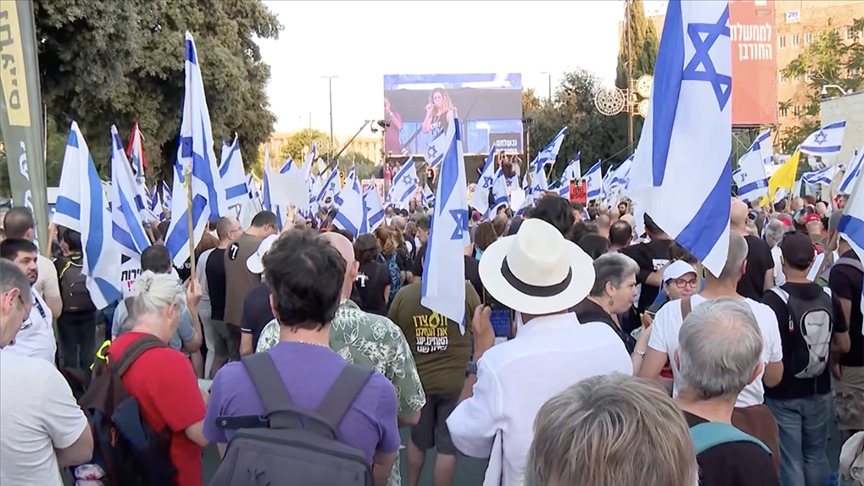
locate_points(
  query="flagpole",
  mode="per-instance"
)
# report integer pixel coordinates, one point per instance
(190, 222)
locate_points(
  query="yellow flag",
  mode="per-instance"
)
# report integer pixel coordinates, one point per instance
(784, 177)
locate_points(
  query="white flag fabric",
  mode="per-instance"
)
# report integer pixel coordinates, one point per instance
(682, 172)
(196, 167)
(480, 201)
(232, 174)
(82, 206)
(500, 196)
(594, 182)
(405, 184)
(352, 210)
(136, 152)
(572, 171)
(374, 208)
(444, 268)
(548, 155)
(827, 140)
(126, 204)
(851, 225)
(329, 190)
(822, 176)
(750, 176)
(766, 149)
(852, 171)
(427, 197)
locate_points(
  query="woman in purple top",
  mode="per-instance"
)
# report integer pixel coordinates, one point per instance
(306, 364)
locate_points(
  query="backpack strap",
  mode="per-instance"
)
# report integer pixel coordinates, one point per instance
(851, 262)
(64, 269)
(708, 435)
(271, 390)
(343, 392)
(781, 293)
(686, 307)
(136, 349)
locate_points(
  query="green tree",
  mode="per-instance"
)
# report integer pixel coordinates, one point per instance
(55, 150)
(645, 44)
(829, 60)
(594, 135)
(107, 63)
(299, 143)
(364, 167)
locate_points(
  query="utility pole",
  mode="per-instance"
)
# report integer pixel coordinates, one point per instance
(628, 26)
(330, 92)
(548, 85)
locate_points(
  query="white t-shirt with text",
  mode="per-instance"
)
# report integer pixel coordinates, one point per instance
(664, 338)
(38, 415)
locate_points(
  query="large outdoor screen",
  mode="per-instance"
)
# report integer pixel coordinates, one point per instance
(489, 107)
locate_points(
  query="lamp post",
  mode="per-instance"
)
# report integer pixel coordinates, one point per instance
(330, 94)
(548, 85)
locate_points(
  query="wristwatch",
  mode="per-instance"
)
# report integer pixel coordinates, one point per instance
(471, 369)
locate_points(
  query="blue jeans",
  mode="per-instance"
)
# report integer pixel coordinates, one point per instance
(803, 424)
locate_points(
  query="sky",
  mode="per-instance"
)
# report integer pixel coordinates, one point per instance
(361, 41)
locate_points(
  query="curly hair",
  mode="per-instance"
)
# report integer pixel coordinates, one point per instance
(386, 239)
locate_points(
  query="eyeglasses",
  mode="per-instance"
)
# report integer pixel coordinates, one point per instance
(681, 284)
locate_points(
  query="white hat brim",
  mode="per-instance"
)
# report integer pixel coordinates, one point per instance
(581, 281)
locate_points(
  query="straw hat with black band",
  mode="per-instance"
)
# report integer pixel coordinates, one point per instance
(537, 271)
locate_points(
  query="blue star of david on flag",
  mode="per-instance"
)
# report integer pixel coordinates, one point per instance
(460, 216)
(821, 137)
(432, 152)
(701, 66)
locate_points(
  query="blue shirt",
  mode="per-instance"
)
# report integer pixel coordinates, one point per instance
(185, 331)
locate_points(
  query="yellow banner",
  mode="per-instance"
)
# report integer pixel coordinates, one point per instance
(12, 71)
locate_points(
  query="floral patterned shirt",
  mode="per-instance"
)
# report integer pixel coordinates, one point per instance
(374, 341)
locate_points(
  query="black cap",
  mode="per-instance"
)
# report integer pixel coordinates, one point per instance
(797, 250)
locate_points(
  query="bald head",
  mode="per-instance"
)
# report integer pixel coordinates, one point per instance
(342, 245)
(399, 223)
(734, 267)
(738, 214)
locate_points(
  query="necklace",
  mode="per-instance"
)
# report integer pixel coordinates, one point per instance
(311, 344)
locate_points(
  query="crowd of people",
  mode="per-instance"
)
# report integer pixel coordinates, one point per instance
(597, 351)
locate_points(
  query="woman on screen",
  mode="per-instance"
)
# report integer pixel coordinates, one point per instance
(439, 113)
(392, 143)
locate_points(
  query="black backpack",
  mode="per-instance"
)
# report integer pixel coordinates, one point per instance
(125, 446)
(812, 324)
(73, 289)
(277, 448)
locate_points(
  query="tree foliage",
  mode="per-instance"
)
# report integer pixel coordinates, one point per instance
(645, 44)
(828, 60)
(105, 63)
(299, 143)
(594, 135)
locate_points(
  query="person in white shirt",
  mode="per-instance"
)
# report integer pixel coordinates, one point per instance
(773, 235)
(43, 428)
(36, 337)
(540, 275)
(751, 415)
(21, 224)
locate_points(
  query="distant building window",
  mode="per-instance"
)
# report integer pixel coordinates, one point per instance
(796, 40)
(796, 110)
(782, 41)
(783, 78)
(808, 38)
(784, 111)
(851, 34)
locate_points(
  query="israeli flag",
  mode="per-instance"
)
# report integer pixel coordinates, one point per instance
(405, 184)
(166, 196)
(480, 201)
(427, 197)
(548, 155)
(443, 288)
(83, 206)
(852, 171)
(682, 172)
(821, 176)
(572, 171)
(374, 208)
(252, 192)
(851, 225)
(126, 204)
(135, 152)
(195, 167)
(594, 181)
(825, 141)
(564, 191)
(155, 202)
(766, 149)
(328, 189)
(750, 176)
(232, 175)
(500, 196)
(352, 209)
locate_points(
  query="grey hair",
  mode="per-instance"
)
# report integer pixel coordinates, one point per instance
(11, 277)
(612, 268)
(603, 221)
(720, 345)
(735, 258)
(612, 429)
(775, 231)
(155, 292)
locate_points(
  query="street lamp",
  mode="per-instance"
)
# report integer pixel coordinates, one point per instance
(330, 93)
(549, 85)
(838, 88)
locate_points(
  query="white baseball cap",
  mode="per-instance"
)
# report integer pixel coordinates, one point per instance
(254, 263)
(677, 269)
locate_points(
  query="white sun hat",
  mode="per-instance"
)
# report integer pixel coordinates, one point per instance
(537, 271)
(255, 262)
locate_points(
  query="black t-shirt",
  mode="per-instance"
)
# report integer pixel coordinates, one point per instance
(216, 283)
(759, 261)
(734, 464)
(845, 283)
(256, 312)
(790, 386)
(472, 274)
(371, 281)
(650, 256)
(588, 311)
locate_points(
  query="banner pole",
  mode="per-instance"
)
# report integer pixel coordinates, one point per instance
(189, 221)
